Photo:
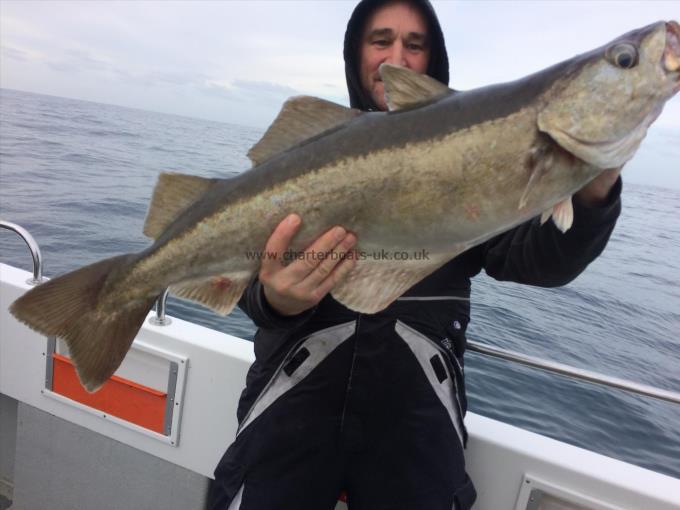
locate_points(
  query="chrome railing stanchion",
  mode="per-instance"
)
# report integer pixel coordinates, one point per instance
(160, 319)
(32, 245)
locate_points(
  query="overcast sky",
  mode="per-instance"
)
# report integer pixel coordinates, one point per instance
(238, 61)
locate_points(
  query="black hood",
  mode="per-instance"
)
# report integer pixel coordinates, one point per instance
(438, 67)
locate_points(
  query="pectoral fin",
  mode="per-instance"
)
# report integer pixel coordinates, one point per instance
(539, 162)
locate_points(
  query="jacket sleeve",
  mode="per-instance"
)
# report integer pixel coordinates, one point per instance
(541, 255)
(255, 306)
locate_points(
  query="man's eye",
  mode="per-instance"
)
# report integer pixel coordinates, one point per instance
(415, 47)
(381, 42)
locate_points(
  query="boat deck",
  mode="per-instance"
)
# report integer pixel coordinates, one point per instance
(61, 450)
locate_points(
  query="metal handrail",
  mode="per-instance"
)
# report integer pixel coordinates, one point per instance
(32, 246)
(577, 373)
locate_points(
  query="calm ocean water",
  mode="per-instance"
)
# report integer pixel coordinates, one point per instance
(79, 175)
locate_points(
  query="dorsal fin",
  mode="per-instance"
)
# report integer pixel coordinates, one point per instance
(405, 88)
(173, 194)
(300, 118)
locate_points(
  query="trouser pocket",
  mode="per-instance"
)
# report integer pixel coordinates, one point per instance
(465, 496)
(227, 489)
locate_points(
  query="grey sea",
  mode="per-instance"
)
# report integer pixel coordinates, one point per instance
(79, 175)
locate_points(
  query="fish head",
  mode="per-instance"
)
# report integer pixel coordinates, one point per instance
(602, 107)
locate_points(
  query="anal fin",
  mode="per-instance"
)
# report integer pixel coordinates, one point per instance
(218, 292)
(373, 285)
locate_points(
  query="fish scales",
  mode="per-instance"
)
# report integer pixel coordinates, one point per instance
(441, 165)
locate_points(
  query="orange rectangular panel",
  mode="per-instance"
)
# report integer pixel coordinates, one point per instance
(118, 397)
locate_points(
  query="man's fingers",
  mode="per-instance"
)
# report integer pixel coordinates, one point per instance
(338, 274)
(330, 260)
(313, 256)
(293, 288)
(279, 241)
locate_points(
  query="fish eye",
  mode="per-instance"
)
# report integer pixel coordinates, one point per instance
(624, 55)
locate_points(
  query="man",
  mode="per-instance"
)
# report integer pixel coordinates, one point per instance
(374, 404)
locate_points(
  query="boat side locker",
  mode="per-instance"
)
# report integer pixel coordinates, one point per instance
(145, 393)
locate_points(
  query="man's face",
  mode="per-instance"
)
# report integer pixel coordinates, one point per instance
(395, 34)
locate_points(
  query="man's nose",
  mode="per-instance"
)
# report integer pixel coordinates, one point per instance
(397, 56)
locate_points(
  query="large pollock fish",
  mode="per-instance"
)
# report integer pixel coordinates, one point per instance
(441, 172)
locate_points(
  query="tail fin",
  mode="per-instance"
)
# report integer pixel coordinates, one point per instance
(67, 307)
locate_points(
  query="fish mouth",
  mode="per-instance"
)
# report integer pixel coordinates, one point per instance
(671, 53)
(607, 153)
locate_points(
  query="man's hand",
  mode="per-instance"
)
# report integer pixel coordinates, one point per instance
(596, 191)
(292, 289)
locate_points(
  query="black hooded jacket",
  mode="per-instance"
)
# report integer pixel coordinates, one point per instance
(530, 253)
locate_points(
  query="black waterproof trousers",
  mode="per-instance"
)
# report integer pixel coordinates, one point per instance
(367, 406)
